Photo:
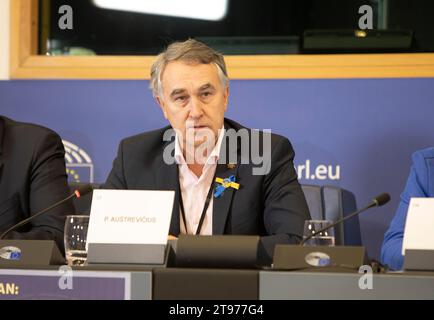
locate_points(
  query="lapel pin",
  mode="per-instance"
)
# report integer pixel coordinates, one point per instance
(231, 165)
(224, 184)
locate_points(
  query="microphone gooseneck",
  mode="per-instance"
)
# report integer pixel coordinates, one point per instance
(77, 193)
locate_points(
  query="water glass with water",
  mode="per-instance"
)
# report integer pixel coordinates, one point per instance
(75, 239)
(325, 238)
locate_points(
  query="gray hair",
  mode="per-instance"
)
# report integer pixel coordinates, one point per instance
(191, 51)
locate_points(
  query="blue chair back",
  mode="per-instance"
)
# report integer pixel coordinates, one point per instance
(333, 203)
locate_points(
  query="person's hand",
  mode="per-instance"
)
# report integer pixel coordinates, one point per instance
(170, 237)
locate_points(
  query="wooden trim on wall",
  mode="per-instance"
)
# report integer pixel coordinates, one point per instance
(26, 64)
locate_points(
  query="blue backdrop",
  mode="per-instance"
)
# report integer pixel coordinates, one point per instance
(357, 134)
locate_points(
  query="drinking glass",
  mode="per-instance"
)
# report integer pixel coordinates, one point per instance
(325, 238)
(75, 239)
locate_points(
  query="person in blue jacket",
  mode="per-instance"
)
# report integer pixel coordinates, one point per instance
(420, 184)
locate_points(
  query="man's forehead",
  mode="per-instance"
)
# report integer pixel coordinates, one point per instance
(199, 74)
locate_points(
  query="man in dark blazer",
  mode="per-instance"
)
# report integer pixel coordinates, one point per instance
(32, 177)
(218, 191)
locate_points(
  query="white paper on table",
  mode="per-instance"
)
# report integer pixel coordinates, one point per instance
(419, 226)
(130, 216)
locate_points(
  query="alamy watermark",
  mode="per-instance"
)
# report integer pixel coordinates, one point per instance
(366, 21)
(242, 146)
(254, 146)
(66, 278)
(366, 281)
(66, 21)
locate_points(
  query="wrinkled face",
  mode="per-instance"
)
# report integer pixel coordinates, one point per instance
(193, 100)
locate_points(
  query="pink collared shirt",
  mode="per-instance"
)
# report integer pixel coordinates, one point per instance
(194, 190)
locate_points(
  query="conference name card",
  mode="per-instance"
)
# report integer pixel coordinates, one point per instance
(419, 225)
(130, 216)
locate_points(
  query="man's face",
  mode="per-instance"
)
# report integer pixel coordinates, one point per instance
(194, 100)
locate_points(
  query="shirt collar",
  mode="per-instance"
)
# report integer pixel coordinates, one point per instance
(212, 158)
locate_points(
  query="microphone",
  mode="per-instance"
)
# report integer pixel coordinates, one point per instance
(378, 201)
(81, 191)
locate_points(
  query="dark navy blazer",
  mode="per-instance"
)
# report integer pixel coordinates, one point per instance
(272, 205)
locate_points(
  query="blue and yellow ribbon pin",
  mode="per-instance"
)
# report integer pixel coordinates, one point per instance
(224, 184)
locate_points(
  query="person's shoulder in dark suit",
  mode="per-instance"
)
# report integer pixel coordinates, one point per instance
(135, 153)
(32, 177)
(277, 141)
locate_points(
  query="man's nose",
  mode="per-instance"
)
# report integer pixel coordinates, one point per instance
(196, 110)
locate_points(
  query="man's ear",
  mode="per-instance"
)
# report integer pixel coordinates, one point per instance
(162, 105)
(226, 95)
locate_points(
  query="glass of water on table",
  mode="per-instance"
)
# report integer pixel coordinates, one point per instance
(324, 238)
(75, 239)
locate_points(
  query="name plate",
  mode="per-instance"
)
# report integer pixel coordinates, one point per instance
(419, 226)
(129, 226)
(64, 284)
(418, 243)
